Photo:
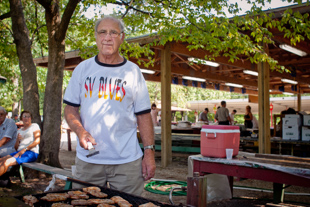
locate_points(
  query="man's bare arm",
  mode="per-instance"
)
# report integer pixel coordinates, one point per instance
(146, 129)
(73, 119)
(4, 140)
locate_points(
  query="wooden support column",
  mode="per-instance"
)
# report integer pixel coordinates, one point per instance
(298, 102)
(264, 106)
(166, 141)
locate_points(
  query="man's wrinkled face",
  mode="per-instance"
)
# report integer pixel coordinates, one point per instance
(109, 37)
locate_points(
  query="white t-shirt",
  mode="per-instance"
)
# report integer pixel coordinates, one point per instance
(28, 137)
(232, 118)
(255, 123)
(109, 97)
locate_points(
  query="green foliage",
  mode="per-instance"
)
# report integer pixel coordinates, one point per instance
(201, 23)
(11, 91)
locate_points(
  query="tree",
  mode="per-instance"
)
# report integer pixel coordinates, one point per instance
(202, 24)
(56, 31)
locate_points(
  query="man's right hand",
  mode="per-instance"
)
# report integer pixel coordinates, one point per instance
(84, 138)
(73, 118)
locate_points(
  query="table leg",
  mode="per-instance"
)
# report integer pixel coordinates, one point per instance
(278, 192)
(231, 184)
(69, 139)
(197, 190)
(292, 149)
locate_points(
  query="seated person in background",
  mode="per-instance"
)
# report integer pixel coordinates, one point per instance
(27, 144)
(248, 117)
(15, 118)
(8, 132)
(203, 116)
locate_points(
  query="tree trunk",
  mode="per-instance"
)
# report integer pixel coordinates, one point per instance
(16, 105)
(26, 64)
(56, 28)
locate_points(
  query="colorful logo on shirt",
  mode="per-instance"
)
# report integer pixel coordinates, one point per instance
(108, 88)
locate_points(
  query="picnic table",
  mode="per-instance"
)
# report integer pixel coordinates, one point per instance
(281, 170)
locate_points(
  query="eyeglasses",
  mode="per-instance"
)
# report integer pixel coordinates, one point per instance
(104, 33)
(25, 116)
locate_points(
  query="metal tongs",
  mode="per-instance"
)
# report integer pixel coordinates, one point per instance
(91, 150)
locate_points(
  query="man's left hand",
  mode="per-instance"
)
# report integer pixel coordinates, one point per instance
(148, 164)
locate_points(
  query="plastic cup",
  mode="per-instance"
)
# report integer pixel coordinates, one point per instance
(73, 168)
(229, 153)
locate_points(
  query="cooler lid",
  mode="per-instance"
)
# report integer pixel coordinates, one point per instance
(220, 129)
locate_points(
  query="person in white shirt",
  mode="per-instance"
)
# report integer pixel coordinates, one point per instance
(255, 123)
(107, 99)
(232, 117)
(27, 144)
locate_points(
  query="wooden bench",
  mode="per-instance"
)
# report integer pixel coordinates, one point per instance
(46, 169)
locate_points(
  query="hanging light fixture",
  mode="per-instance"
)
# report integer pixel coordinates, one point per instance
(293, 50)
(194, 78)
(234, 85)
(289, 81)
(250, 72)
(147, 71)
(205, 62)
(287, 93)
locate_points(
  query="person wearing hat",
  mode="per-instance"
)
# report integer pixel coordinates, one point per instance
(15, 118)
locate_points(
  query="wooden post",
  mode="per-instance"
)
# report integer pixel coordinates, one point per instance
(298, 102)
(278, 192)
(197, 190)
(166, 140)
(264, 106)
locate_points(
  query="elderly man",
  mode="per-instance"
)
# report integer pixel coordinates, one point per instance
(106, 99)
(8, 133)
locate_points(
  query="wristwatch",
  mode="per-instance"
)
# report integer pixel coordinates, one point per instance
(152, 147)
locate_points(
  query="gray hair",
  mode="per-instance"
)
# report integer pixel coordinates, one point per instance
(2, 109)
(119, 21)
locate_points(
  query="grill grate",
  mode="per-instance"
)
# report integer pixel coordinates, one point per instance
(134, 200)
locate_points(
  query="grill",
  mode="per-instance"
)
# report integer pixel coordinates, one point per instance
(134, 200)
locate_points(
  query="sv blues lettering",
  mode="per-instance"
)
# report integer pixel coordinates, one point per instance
(89, 88)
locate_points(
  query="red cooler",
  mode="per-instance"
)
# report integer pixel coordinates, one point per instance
(215, 139)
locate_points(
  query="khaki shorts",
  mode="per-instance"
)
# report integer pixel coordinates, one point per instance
(124, 177)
